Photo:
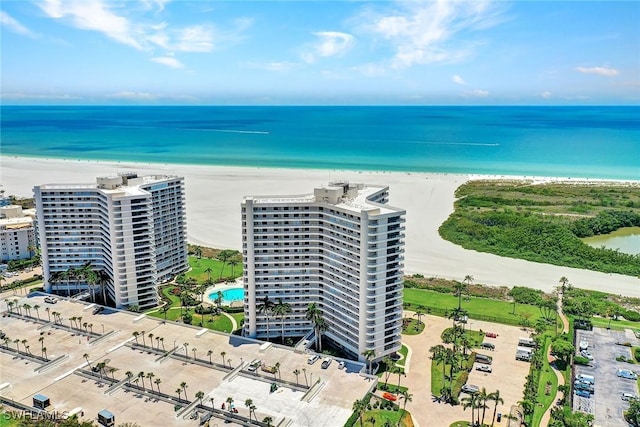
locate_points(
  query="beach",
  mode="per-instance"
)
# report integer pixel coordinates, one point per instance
(214, 194)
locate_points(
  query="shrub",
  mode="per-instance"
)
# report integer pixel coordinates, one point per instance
(579, 360)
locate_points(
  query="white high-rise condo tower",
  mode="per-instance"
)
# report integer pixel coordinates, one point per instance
(340, 248)
(131, 230)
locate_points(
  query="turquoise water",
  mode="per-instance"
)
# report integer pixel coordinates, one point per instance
(229, 295)
(588, 142)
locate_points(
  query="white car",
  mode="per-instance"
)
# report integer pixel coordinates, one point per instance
(484, 368)
(587, 354)
(341, 364)
(584, 345)
(313, 359)
(626, 373)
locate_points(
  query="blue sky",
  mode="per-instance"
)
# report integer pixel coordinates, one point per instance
(320, 52)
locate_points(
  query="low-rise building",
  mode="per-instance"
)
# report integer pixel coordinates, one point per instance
(17, 233)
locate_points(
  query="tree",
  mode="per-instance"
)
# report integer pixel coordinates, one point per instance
(482, 403)
(438, 354)
(276, 369)
(563, 284)
(268, 421)
(223, 354)
(632, 415)
(296, 372)
(86, 356)
(219, 297)
(562, 349)
(249, 403)
(194, 353)
(36, 307)
(407, 397)
(266, 308)
(186, 350)
(199, 396)
(495, 396)
(458, 290)
(306, 381)
(150, 376)
(151, 340)
(183, 386)
(144, 342)
(197, 250)
(235, 260)
(225, 256)
(141, 377)
(178, 392)
(281, 309)
(209, 353)
(136, 334)
(314, 314)
(129, 375)
(369, 355)
(359, 407)
(419, 313)
(470, 401)
(208, 270)
(158, 381)
(548, 309)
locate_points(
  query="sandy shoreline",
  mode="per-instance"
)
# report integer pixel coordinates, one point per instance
(214, 194)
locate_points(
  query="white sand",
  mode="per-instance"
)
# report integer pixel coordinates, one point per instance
(214, 195)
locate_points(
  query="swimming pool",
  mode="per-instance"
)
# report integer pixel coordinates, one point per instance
(229, 295)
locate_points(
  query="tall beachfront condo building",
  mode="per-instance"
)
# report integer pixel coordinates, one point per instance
(130, 229)
(17, 233)
(341, 248)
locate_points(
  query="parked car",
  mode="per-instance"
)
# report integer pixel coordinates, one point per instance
(483, 358)
(313, 359)
(583, 393)
(98, 309)
(326, 362)
(584, 345)
(581, 385)
(470, 388)
(586, 354)
(341, 364)
(488, 346)
(626, 373)
(586, 378)
(484, 368)
(50, 300)
(629, 397)
(254, 365)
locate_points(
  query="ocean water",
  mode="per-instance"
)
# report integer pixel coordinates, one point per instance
(587, 142)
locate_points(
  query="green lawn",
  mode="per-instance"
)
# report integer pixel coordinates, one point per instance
(239, 318)
(546, 374)
(618, 325)
(412, 326)
(6, 422)
(199, 265)
(378, 417)
(478, 308)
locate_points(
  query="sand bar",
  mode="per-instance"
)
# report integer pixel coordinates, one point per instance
(214, 194)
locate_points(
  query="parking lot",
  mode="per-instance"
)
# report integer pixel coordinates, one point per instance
(606, 403)
(306, 394)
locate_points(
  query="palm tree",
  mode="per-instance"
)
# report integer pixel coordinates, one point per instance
(458, 289)
(112, 371)
(268, 421)
(495, 396)
(178, 391)
(407, 397)
(100, 367)
(194, 353)
(129, 375)
(162, 342)
(44, 352)
(150, 376)
(158, 381)
(470, 401)
(314, 314)
(86, 356)
(223, 354)
(151, 340)
(183, 386)
(468, 279)
(197, 251)
(141, 376)
(186, 350)
(135, 335)
(199, 396)
(48, 310)
(438, 356)
(296, 372)
(306, 381)
(208, 270)
(249, 403)
(144, 343)
(17, 343)
(36, 307)
(482, 403)
(224, 256)
(359, 407)
(209, 353)
(419, 313)
(27, 309)
(266, 308)
(235, 260)
(563, 284)
(276, 370)
(369, 355)
(41, 340)
(281, 309)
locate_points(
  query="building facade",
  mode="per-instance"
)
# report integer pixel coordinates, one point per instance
(129, 229)
(17, 233)
(341, 248)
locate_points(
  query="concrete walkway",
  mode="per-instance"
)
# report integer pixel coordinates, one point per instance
(551, 359)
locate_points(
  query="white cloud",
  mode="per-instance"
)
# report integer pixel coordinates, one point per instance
(476, 93)
(9, 22)
(275, 66)
(329, 43)
(95, 16)
(169, 61)
(20, 95)
(197, 38)
(546, 94)
(458, 80)
(603, 71)
(133, 95)
(422, 33)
